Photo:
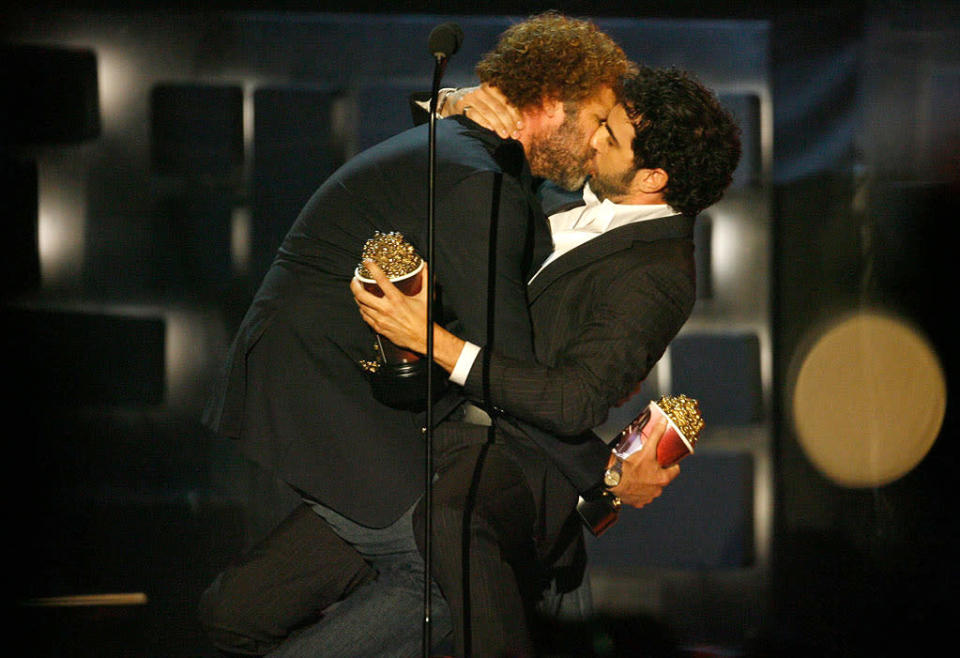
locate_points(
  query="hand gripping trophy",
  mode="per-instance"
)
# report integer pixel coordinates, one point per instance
(600, 509)
(398, 376)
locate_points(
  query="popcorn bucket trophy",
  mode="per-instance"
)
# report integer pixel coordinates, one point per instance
(397, 376)
(600, 508)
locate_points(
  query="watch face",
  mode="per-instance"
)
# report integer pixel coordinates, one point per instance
(611, 478)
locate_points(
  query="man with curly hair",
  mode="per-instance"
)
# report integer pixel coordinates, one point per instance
(615, 291)
(535, 68)
(294, 393)
(677, 128)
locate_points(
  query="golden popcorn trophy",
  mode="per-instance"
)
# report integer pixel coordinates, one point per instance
(600, 508)
(398, 376)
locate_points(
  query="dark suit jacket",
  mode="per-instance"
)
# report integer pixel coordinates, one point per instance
(603, 315)
(293, 392)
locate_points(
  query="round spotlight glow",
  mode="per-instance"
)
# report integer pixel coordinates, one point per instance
(868, 400)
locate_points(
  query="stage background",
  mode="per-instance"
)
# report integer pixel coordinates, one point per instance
(154, 156)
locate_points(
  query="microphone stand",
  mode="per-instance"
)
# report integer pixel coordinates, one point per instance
(444, 41)
(440, 65)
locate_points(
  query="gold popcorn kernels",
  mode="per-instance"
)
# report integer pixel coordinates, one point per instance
(685, 414)
(391, 252)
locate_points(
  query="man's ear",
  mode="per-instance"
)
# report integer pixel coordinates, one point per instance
(652, 181)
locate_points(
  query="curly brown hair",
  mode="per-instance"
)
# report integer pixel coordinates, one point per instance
(682, 128)
(552, 57)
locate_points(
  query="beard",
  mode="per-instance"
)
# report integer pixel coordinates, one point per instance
(612, 186)
(562, 155)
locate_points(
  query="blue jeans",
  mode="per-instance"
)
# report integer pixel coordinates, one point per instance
(384, 617)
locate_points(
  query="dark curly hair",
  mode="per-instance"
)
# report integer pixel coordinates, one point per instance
(681, 128)
(551, 56)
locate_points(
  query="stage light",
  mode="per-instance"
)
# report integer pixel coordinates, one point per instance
(868, 398)
(241, 226)
(60, 223)
(121, 85)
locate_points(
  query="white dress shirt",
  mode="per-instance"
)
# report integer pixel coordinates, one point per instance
(570, 229)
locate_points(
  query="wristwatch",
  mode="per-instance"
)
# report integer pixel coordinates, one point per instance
(611, 477)
(599, 507)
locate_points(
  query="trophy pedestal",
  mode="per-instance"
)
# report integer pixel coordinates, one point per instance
(400, 379)
(404, 385)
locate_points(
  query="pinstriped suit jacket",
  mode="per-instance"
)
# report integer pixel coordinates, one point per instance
(603, 314)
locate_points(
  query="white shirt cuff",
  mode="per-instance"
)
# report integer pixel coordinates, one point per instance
(464, 362)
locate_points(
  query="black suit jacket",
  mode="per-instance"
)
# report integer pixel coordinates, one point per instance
(293, 392)
(603, 314)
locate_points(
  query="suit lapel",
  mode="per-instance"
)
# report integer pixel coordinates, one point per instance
(664, 228)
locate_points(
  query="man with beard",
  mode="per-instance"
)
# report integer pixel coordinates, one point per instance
(605, 304)
(294, 392)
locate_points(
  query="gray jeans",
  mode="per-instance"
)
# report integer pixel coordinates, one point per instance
(384, 617)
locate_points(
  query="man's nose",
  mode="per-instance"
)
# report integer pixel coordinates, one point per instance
(595, 139)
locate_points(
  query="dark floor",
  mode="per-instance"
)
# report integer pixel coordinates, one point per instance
(169, 553)
(118, 500)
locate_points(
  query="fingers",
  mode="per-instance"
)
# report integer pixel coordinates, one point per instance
(488, 107)
(365, 301)
(653, 440)
(643, 477)
(357, 289)
(671, 473)
(454, 102)
(508, 112)
(366, 312)
(362, 296)
(378, 275)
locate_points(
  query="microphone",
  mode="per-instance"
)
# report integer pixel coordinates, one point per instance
(445, 40)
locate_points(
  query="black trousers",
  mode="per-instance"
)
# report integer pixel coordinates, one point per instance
(484, 560)
(249, 610)
(483, 554)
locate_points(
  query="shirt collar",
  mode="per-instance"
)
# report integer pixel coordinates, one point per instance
(609, 215)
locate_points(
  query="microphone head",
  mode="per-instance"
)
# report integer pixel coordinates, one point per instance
(445, 40)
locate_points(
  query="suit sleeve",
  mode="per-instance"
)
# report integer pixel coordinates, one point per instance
(622, 337)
